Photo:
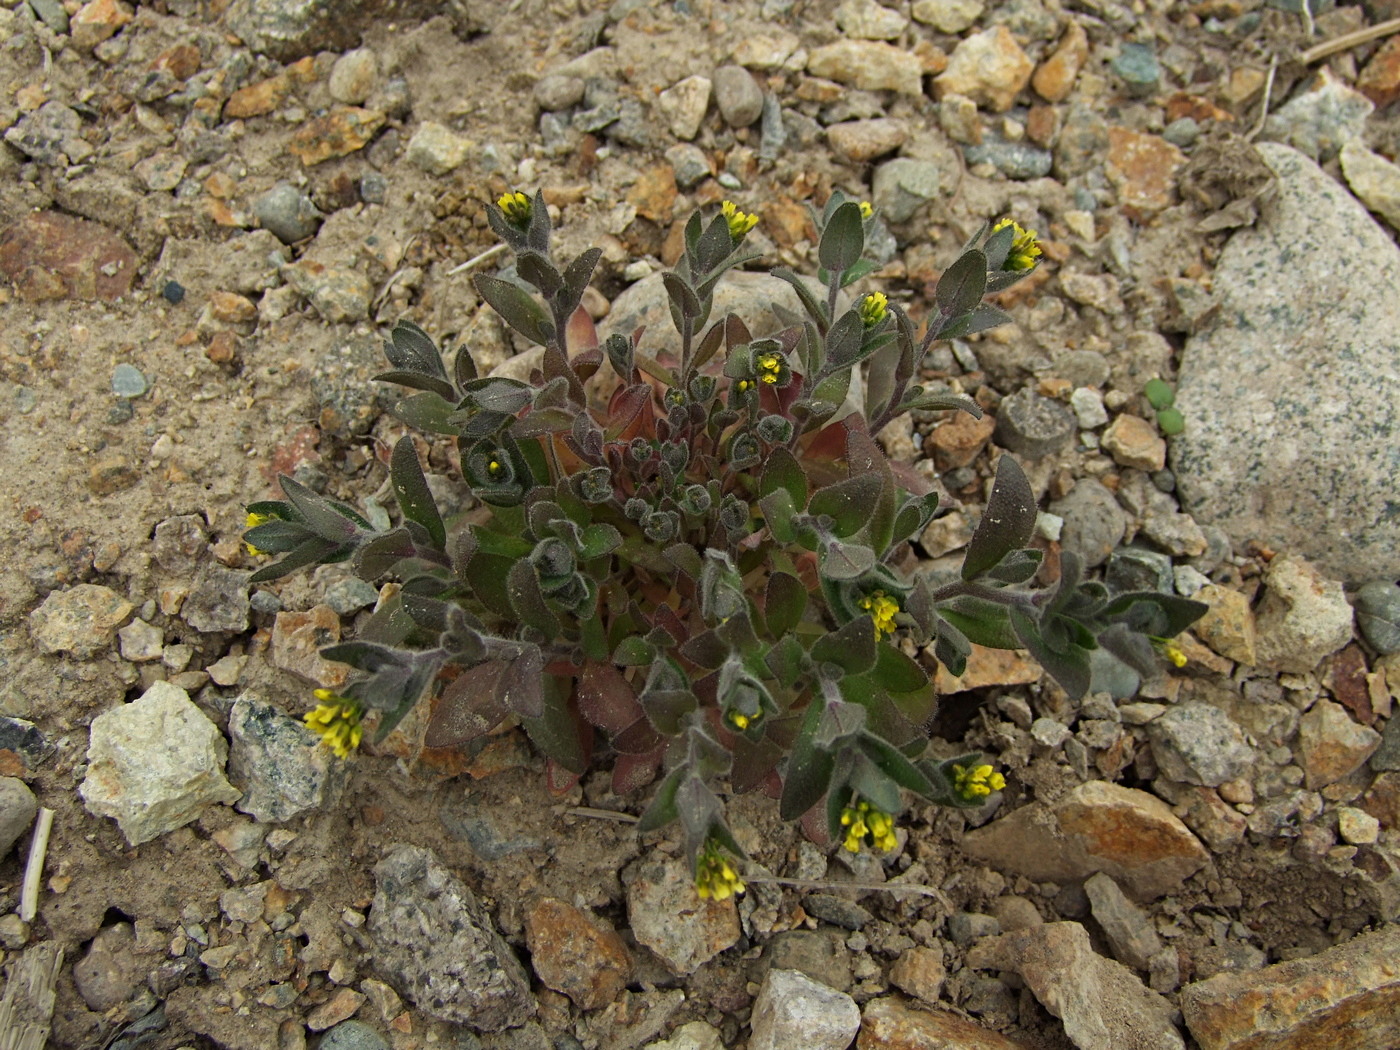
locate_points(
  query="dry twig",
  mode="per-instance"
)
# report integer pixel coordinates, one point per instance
(1348, 40)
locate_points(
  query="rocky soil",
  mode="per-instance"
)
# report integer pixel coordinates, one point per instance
(211, 210)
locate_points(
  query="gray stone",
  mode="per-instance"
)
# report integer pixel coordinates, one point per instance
(1015, 160)
(218, 600)
(277, 762)
(127, 381)
(738, 96)
(1083, 141)
(288, 213)
(821, 954)
(900, 187)
(1127, 927)
(1159, 518)
(690, 163)
(141, 641)
(1377, 606)
(1138, 569)
(290, 29)
(1285, 446)
(352, 1035)
(341, 381)
(1182, 132)
(51, 13)
(437, 150)
(1321, 120)
(374, 187)
(179, 543)
(1034, 426)
(51, 135)
(867, 20)
(435, 943)
(1196, 743)
(24, 739)
(947, 16)
(666, 915)
(792, 1010)
(696, 1035)
(353, 76)
(111, 973)
(1302, 617)
(475, 823)
(154, 764)
(18, 807)
(350, 595)
(1094, 522)
(1087, 405)
(337, 293)
(80, 621)
(555, 91)
(1137, 66)
(869, 65)
(837, 910)
(684, 103)
(1375, 180)
(966, 928)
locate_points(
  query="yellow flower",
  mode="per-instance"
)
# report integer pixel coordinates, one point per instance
(866, 210)
(873, 309)
(882, 609)
(337, 719)
(741, 721)
(1170, 650)
(866, 824)
(253, 521)
(715, 877)
(740, 223)
(976, 783)
(744, 385)
(770, 366)
(1024, 249)
(517, 208)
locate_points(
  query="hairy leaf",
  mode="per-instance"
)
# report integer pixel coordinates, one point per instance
(809, 768)
(851, 648)
(411, 490)
(1007, 522)
(962, 285)
(843, 240)
(517, 307)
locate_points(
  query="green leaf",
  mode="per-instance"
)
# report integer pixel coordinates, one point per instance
(785, 660)
(1068, 664)
(557, 732)
(815, 310)
(597, 540)
(849, 503)
(662, 810)
(319, 514)
(1018, 566)
(428, 412)
(685, 305)
(579, 273)
(1159, 393)
(851, 647)
(1171, 421)
(685, 558)
(983, 622)
(517, 307)
(535, 269)
(411, 349)
(634, 651)
(783, 471)
(860, 268)
(778, 514)
(962, 285)
(845, 561)
(843, 342)
(1007, 522)
(916, 398)
(411, 490)
(809, 768)
(528, 601)
(1154, 613)
(379, 556)
(874, 785)
(785, 602)
(463, 367)
(843, 240)
(896, 673)
(419, 381)
(914, 517)
(891, 762)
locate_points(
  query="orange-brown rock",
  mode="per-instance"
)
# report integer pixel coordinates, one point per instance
(1143, 168)
(1380, 79)
(1346, 998)
(576, 953)
(654, 193)
(340, 132)
(888, 1024)
(97, 21)
(49, 255)
(1055, 77)
(989, 667)
(957, 441)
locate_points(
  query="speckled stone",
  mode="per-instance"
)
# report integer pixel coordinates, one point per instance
(1292, 396)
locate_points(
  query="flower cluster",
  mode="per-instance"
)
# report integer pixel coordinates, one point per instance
(1024, 248)
(739, 222)
(866, 824)
(976, 782)
(882, 609)
(874, 308)
(517, 208)
(253, 521)
(715, 878)
(770, 367)
(337, 719)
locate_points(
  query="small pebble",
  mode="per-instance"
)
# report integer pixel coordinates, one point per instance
(127, 381)
(1182, 132)
(173, 292)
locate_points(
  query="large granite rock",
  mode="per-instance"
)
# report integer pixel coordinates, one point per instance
(1292, 396)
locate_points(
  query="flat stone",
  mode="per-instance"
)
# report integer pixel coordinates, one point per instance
(1218, 824)
(867, 20)
(1130, 933)
(154, 764)
(947, 16)
(1374, 180)
(1263, 455)
(96, 21)
(575, 953)
(1345, 997)
(654, 193)
(1302, 618)
(1015, 160)
(1331, 745)
(80, 621)
(889, 1024)
(1103, 1005)
(339, 133)
(1319, 121)
(161, 171)
(1142, 167)
(141, 641)
(1196, 743)
(900, 187)
(821, 954)
(1380, 77)
(436, 943)
(1055, 77)
(920, 972)
(792, 1010)
(554, 92)
(338, 294)
(278, 763)
(1377, 606)
(684, 103)
(864, 140)
(988, 67)
(218, 600)
(289, 29)
(436, 149)
(989, 667)
(353, 76)
(1094, 523)
(869, 65)
(1034, 426)
(110, 973)
(1159, 518)
(51, 135)
(1228, 625)
(774, 49)
(1134, 442)
(696, 1035)
(49, 255)
(1131, 835)
(298, 637)
(667, 916)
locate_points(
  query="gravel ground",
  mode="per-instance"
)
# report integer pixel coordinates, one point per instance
(212, 210)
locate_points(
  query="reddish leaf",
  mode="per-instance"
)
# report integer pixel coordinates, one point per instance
(607, 699)
(631, 773)
(580, 334)
(470, 707)
(637, 739)
(557, 779)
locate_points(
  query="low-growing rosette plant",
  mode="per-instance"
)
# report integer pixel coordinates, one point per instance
(682, 565)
